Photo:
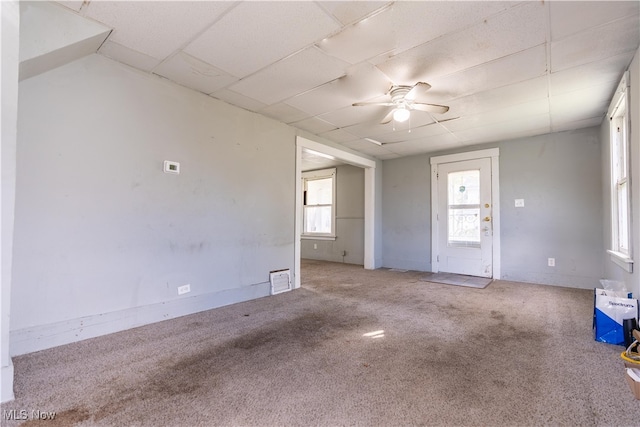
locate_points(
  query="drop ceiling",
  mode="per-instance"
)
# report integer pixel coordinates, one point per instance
(505, 69)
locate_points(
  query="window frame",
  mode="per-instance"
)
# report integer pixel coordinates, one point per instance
(312, 176)
(620, 181)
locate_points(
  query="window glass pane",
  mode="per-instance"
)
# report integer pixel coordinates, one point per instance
(464, 208)
(464, 227)
(319, 191)
(623, 227)
(317, 219)
(464, 187)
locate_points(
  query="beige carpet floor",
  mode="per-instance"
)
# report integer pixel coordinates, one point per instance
(351, 347)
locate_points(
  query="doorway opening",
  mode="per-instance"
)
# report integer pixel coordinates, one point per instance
(306, 147)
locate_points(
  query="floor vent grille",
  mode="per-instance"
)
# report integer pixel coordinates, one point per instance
(280, 281)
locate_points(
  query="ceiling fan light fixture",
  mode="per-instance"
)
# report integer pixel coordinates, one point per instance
(401, 114)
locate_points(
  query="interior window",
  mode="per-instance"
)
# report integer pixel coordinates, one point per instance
(319, 203)
(620, 230)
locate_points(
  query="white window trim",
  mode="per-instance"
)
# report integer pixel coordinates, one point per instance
(620, 258)
(322, 174)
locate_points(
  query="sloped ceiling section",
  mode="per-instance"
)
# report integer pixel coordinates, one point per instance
(51, 36)
(505, 69)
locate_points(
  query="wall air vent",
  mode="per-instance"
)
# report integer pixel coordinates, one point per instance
(280, 281)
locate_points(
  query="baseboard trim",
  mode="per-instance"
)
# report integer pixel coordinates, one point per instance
(7, 383)
(28, 340)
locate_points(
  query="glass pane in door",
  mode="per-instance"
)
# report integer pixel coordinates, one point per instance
(464, 208)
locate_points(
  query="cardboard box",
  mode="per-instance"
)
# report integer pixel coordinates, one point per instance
(635, 385)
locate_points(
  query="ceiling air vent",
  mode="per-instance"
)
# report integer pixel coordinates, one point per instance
(280, 281)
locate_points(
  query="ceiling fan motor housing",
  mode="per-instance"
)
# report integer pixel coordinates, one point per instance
(398, 94)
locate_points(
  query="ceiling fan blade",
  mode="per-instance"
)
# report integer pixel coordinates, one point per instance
(361, 104)
(417, 89)
(388, 117)
(430, 108)
(445, 120)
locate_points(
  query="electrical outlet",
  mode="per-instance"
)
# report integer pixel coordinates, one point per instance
(551, 262)
(315, 246)
(184, 289)
(519, 203)
(344, 253)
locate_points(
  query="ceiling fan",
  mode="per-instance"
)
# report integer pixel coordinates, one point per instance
(403, 100)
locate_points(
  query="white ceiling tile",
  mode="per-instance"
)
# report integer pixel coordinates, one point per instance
(348, 12)
(296, 74)
(517, 29)
(193, 73)
(511, 69)
(363, 40)
(255, 34)
(128, 56)
(431, 144)
(284, 113)
(75, 5)
(370, 130)
(596, 44)
(570, 17)
(523, 126)
(358, 144)
(591, 74)
(571, 118)
(361, 82)
(417, 22)
(584, 103)
(239, 100)
(369, 148)
(314, 125)
(580, 124)
(504, 115)
(339, 135)
(502, 97)
(348, 116)
(155, 28)
(422, 132)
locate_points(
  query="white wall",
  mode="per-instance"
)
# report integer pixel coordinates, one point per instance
(103, 237)
(349, 221)
(612, 270)
(557, 174)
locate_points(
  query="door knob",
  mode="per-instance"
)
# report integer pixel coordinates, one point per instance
(487, 219)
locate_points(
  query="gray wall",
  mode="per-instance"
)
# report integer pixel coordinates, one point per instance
(349, 221)
(103, 237)
(612, 270)
(406, 213)
(558, 175)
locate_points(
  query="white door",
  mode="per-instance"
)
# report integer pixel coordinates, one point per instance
(465, 232)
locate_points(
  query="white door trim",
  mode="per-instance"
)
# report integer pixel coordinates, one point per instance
(369, 167)
(493, 154)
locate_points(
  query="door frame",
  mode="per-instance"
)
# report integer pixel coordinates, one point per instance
(369, 167)
(493, 154)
